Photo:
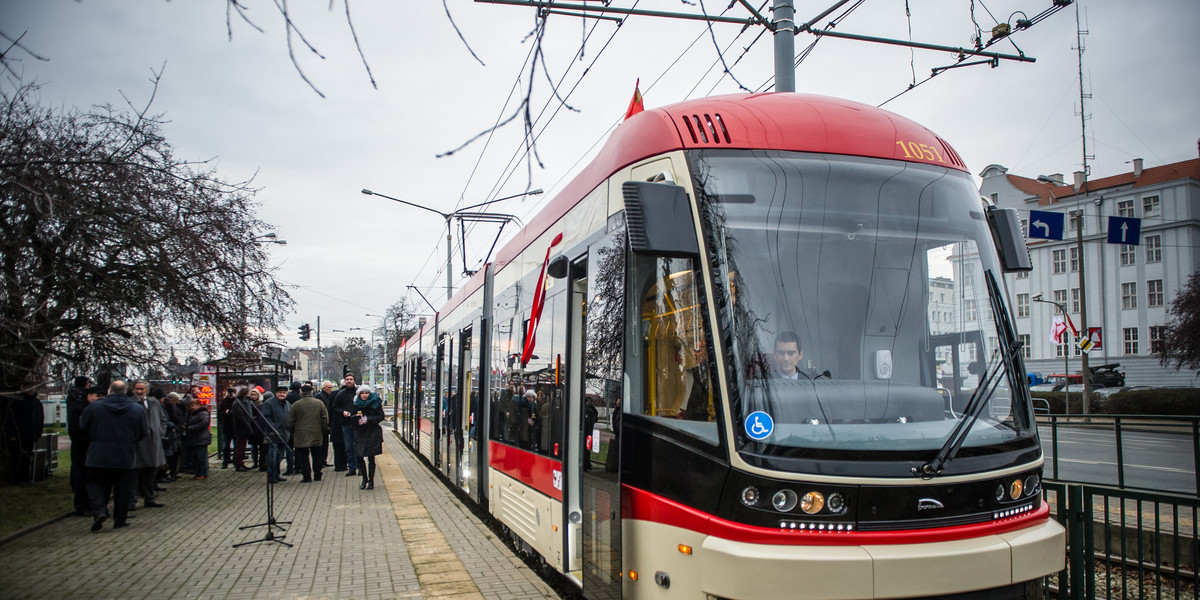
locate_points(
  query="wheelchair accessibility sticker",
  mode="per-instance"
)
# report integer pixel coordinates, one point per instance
(759, 425)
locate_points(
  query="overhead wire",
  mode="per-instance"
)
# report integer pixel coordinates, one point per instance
(522, 151)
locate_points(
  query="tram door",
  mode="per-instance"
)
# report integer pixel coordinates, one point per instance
(439, 403)
(596, 394)
(457, 412)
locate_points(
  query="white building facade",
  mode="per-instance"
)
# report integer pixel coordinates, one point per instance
(1128, 287)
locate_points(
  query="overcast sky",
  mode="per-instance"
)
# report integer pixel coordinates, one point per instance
(242, 103)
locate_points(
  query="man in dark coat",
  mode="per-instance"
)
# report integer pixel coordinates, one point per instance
(22, 428)
(343, 406)
(307, 420)
(115, 425)
(78, 398)
(225, 427)
(326, 398)
(275, 416)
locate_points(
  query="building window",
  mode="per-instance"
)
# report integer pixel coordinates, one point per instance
(1158, 339)
(1131, 340)
(1022, 305)
(968, 278)
(1125, 208)
(1153, 248)
(970, 311)
(1074, 260)
(1024, 339)
(1025, 228)
(1128, 256)
(995, 198)
(1060, 350)
(1150, 207)
(1074, 300)
(1060, 297)
(1059, 257)
(1075, 218)
(1154, 292)
(1129, 295)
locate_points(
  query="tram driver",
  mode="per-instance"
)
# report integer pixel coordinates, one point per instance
(787, 356)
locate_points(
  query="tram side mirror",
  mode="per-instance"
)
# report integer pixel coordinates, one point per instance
(1010, 241)
(659, 219)
(558, 268)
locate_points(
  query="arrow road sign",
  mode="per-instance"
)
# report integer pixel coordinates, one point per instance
(1125, 230)
(1046, 225)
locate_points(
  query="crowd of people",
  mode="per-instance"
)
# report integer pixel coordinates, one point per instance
(128, 440)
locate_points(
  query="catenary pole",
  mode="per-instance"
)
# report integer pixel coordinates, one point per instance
(784, 25)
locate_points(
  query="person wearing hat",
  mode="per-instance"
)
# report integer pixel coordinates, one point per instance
(368, 436)
(275, 415)
(307, 421)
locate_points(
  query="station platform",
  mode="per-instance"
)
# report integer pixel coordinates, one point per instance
(410, 537)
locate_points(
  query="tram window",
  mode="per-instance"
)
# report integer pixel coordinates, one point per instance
(676, 366)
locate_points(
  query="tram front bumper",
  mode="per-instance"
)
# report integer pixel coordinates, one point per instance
(738, 570)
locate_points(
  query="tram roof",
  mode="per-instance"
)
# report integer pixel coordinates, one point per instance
(773, 121)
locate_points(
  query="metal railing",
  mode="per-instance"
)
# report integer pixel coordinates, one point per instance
(1118, 426)
(1125, 544)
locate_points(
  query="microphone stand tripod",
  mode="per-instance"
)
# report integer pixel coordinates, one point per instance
(271, 524)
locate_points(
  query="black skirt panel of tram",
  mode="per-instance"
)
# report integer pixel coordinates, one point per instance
(672, 464)
(799, 505)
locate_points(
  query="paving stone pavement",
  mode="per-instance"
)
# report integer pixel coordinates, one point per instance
(348, 543)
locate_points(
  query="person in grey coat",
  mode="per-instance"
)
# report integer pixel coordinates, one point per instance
(115, 425)
(307, 421)
(275, 413)
(150, 455)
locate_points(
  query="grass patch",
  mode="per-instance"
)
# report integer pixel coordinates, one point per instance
(21, 507)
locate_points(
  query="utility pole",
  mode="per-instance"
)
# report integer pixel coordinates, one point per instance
(320, 356)
(784, 25)
(1083, 324)
(1082, 193)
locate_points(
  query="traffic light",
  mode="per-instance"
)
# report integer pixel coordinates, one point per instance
(305, 332)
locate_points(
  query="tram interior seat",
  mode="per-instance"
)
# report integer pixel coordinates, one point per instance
(852, 401)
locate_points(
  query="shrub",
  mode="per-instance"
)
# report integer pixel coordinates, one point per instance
(1157, 401)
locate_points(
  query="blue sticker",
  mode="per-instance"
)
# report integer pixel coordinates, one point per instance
(759, 425)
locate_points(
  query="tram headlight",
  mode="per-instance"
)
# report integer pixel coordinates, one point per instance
(836, 503)
(1032, 485)
(812, 503)
(1015, 488)
(784, 500)
(750, 496)
(999, 492)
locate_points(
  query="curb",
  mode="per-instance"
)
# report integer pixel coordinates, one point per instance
(32, 528)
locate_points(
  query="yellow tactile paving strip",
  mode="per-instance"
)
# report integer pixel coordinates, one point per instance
(439, 571)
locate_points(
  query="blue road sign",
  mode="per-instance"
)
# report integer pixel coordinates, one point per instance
(1125, 230)
(1046, 225)
(759, 425)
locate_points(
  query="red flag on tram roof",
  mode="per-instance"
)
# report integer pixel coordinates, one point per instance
(635, 105)
(539, 300)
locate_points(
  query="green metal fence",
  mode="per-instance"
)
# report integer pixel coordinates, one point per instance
(1125, 544)
(1117, 426)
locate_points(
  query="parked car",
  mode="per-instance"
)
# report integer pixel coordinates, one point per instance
(1107, 375)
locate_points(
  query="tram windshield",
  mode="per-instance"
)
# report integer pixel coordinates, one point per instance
(854, 294)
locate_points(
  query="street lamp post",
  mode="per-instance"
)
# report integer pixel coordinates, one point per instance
(1066, 354)
(268, 238)
(464, 212)
(386, 351)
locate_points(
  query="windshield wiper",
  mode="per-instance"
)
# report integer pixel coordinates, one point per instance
(991, 380)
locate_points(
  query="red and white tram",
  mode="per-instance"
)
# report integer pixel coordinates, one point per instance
(759, 348)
